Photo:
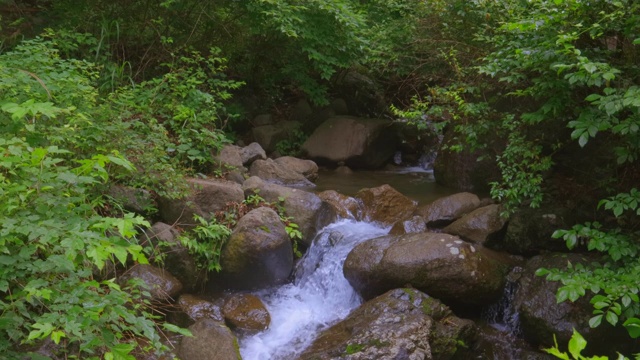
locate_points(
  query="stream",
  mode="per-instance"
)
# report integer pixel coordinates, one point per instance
(320, 296)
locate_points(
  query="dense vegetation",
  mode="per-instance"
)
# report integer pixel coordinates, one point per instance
(139, 93)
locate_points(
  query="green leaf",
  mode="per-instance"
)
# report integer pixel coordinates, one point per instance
(595, 321)
(612, 318)
(633, 327)
(120, 352)
(177, 329)
(576, 344)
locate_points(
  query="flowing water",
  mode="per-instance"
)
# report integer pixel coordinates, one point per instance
(318, 297)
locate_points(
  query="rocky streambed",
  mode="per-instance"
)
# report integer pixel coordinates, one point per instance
(382, 276)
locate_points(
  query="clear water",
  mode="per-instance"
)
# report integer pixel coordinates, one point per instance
(319, 297)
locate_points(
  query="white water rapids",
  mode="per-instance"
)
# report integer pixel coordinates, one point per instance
(318, 297)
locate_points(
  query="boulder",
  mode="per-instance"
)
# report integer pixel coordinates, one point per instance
(163, 238)
(262, 119)
(246, 312)
(415, 224)
(306, 208)
(206, 196)
(449, 208)
(541, 316)
(401, 324)
(136, 200)
(259, 253)
(211, 340)
(278, 173)
(463, 170)
(306, 168)
(479, 225)
(269, 135)
(356, 142)
(385, 205)
(342, 206)
(192, 308)
(441, 265)
(529, 231)
(228, 158)
(251, 153)
(161, 285)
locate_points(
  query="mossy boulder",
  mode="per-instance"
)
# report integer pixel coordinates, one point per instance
(400, 324)
(441, 265)
(259, 253)
(384, 205)
(445, 210)
(211, 340)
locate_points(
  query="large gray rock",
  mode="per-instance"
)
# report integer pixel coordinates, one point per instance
(161, 285)
(541, 317)
(401, 324)
(529, 231)
(448, 208)
(306, 208)
(211, 340)
(306, 168)
(415, 224)
(441, 265)
(464, 170)
(259, 253)
(251, 153)
(175, 257)
(228, 158)
(206, 197)
(385, 205)
(278, 173)
(479, 225)
(137, 200)
(358, 143)
(269, 135)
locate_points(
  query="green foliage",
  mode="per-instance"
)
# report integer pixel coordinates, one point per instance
(291, 146)
(205, 242)
(576, 345)
(52, 237)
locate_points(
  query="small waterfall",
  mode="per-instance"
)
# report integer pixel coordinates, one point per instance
(504, 319)
(319, 296)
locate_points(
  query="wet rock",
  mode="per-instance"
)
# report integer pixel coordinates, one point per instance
(196, 308)
(541, 316)
(344, 207)
(269, 135)
(306, 168)
(161, 285)
(441, 265)
(493, 344)
(305, 207)
(449, 208)
(359, 143)
(415, 224)
(163, 238)
(246, 312)
(206, 196)
(211, 340)
(462, 170)
(259, 253)
(479, 225)
(385, 205)
(251, 153)
(139, 201)
(529, 231)
(278, 173)
(401, 324)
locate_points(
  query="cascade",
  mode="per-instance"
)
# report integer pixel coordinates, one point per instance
(318, 297)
